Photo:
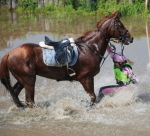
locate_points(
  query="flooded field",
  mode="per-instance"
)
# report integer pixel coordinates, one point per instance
(61, 107)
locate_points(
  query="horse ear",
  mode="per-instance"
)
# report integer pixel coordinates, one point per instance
(116, 14)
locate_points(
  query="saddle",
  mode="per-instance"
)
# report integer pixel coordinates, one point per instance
(63, 49)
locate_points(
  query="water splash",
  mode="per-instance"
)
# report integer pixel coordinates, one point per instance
(71, 103)
(123, 97)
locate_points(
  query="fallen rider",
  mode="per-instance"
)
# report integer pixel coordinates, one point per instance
(122, 71)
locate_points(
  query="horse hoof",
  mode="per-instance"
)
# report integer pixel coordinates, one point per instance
(30, 104)
(20, 105)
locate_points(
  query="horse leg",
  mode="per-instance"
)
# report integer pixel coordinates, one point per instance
(28, 83)
(29, 91)
(88, 84)
(29, 95)
(16, 91)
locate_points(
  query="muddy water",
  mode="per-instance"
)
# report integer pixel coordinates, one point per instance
(61, 108)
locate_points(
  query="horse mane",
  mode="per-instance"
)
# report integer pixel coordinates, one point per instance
(86, 36)
(89, 34)
(105, 18)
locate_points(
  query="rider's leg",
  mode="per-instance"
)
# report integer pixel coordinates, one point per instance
(106, 90)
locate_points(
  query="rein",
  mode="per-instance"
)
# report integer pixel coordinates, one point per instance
(95, 52)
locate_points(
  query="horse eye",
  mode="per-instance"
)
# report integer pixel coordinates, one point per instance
(119, 24)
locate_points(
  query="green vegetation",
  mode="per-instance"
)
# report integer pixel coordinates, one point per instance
(28, 4)
(126, 8)
(86, 7)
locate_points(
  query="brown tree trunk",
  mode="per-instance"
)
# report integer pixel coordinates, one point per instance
(40, 3)
(146, 4)
(130, 1)
(12, 4)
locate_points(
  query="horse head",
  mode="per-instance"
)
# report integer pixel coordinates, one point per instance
(112, 27)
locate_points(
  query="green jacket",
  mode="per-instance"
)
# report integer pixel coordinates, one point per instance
(120, 76)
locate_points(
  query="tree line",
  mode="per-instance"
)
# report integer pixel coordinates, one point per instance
(126, 6)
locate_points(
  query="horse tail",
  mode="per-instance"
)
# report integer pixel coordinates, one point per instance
(4, 74)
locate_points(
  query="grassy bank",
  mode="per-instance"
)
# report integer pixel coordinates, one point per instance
(100, 7)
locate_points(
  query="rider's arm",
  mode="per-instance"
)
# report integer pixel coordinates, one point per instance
(127, 70)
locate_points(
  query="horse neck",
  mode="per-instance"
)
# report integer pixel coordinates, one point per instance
(98, 43)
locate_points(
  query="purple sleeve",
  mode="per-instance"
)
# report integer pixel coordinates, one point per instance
(129, 72)
(109, 50)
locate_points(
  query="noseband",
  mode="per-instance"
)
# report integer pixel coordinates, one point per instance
(122, 34)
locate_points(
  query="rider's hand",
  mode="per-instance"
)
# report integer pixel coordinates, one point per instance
(134, 81)
(113, 48)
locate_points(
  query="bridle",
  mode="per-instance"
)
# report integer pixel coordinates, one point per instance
(122, 34)
(121, 39)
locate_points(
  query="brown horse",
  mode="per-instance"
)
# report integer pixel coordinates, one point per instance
(26, 61)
